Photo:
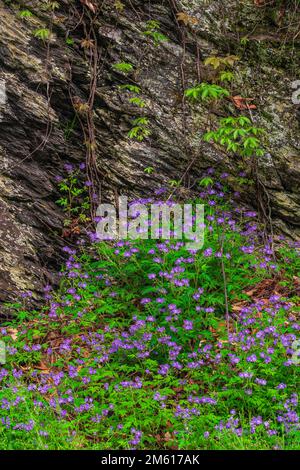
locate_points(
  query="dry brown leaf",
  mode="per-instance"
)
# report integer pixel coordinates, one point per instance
(87, 43)
(243, 103)
(13, 333)
(187, 19)
(43, 368)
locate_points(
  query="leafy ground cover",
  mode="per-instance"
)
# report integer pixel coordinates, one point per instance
(146, 345)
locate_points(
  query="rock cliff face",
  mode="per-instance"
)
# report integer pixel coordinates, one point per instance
(44, 74)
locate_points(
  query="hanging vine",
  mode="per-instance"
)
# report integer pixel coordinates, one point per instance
(87, 17)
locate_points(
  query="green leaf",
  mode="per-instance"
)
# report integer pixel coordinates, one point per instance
(42, 34)
(25, 14)
(124, 67)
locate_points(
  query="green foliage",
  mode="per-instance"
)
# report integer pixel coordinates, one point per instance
(140, 129)
(218, 62)
(137, 101)
(42, 33)
(153, 25)
(205, 182)
(69, 127)
(238, 135)
(124, 67)
(50, 5)
(206, 92)
(91, 374)
(75, 198)
(70, 41)
(149, 170)
(25, 14)
(244, 41)
(174, 183)
(153, 31)
(226, 77)
(119, 5)
(133, 88)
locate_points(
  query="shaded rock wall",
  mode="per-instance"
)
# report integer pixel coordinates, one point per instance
(40, 76)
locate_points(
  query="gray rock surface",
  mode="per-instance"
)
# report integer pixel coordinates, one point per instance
(40, 76)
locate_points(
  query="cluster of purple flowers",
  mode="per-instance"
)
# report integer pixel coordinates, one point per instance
(161, 338)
